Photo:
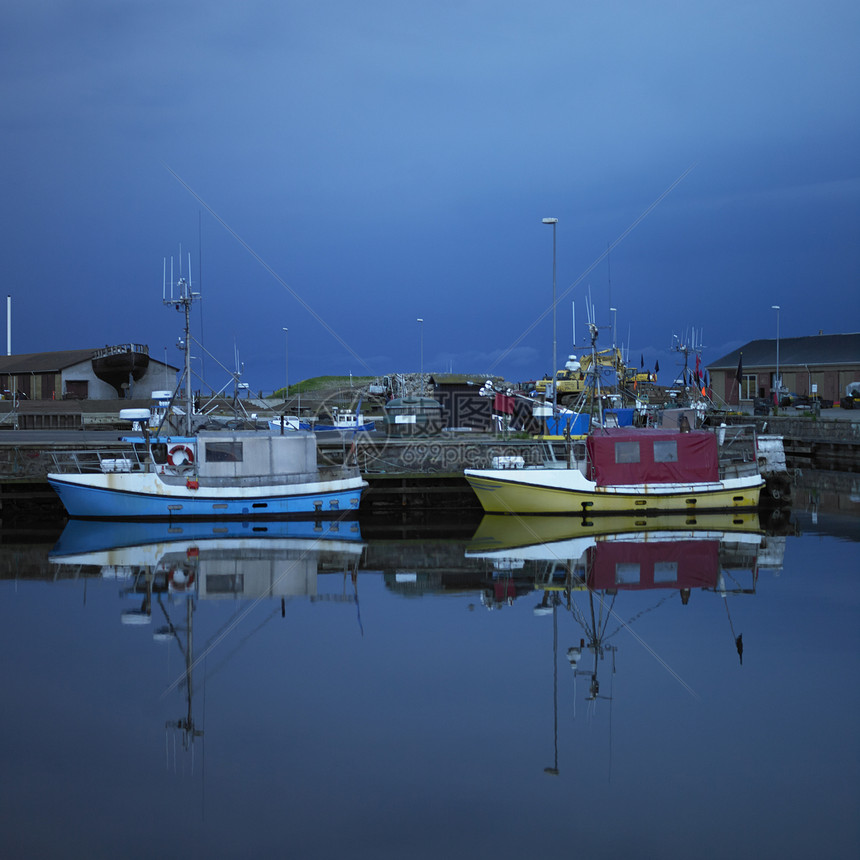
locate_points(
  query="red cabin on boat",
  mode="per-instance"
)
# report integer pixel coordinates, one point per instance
(652, 456)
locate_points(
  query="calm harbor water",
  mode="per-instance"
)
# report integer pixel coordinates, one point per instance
(532, 689)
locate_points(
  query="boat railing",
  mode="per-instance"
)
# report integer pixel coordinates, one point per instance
(98, 460)
(121, 349)
(565, 455)
(737, 449)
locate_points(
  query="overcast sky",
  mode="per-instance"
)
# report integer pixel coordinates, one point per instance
(342, 168)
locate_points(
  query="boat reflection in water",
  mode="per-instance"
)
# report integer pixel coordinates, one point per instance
(583, 567)
(173, 565)
(220, 559)
(612, 554)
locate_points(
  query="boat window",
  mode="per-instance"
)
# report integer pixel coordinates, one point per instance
(626, 573)
(626, 452)
(665, 571)
(223, 452)
(666, 451)
(225, 583)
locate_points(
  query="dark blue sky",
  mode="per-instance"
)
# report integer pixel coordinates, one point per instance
(393, 160)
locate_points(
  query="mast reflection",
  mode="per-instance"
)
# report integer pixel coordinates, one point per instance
(584, 567)
(170, 567)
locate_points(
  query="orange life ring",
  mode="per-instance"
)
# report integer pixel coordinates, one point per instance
(180, 455)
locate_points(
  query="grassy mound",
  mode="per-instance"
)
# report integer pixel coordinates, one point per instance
(325, 383)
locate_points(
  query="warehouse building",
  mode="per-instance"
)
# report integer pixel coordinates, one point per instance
(821, 366)
(124, 371)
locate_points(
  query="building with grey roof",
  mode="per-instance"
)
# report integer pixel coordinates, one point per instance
(821, 365)
(123, 371)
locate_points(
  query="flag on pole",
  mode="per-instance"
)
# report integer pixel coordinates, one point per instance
(642, 360)
(740, 374)
(656, 367)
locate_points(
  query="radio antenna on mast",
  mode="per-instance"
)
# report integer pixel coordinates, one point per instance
(182, 301)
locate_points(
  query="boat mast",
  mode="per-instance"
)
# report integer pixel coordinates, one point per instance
(686, 347)
(595, 371)
(183, 302)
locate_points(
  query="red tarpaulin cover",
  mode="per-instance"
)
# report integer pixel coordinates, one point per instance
(661, 564)
(504, 404)
(646, 456)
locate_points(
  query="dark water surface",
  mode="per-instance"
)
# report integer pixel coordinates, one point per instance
(361, 697)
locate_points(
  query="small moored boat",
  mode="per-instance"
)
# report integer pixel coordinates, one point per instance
(625, 470)
(287, 423)
(210, 475)
(202, 474)
(346, 420)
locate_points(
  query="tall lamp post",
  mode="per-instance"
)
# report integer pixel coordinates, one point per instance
(421, 351)
(778, 379)
(286, 365)
(553, 221)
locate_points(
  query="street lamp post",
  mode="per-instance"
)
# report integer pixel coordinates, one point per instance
(778, 379)
(286, 366)
(553, 221)
(421, 352)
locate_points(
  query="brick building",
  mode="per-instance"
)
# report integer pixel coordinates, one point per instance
(821, 365)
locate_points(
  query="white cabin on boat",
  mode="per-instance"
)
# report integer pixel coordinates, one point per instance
(243, 456)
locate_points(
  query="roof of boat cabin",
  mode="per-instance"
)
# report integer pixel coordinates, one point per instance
(621, 433)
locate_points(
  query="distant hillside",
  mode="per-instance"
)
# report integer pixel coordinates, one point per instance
(321, 385)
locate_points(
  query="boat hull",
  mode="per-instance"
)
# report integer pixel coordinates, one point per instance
(146, 496)
(345, 428)
(563, 491)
